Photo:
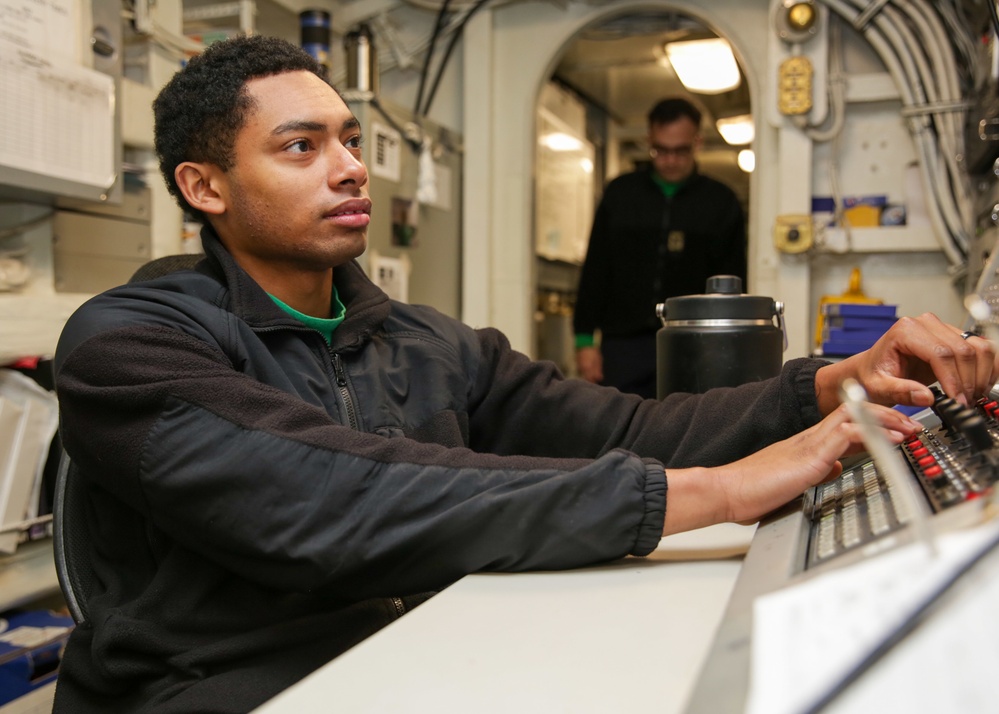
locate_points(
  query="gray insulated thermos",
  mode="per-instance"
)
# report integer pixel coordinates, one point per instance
(720, 339)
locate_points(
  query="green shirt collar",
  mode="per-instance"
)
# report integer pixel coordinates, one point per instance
(668, 188)
(322, 325)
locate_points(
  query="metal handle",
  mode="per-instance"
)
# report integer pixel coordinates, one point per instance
(779, 312)
(661, 312)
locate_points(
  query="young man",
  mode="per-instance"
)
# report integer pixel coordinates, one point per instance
(658, 232)
(280, 460)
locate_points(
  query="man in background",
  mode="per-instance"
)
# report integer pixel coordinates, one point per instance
(658, 232)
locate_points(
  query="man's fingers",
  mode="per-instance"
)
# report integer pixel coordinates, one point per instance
(985, 356)
(838, 433)
(965, 368)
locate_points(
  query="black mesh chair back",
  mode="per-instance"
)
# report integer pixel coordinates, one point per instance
(71, 533)
(71, 540)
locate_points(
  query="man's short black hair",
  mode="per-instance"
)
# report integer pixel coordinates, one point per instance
(202, 108)
(669, 110)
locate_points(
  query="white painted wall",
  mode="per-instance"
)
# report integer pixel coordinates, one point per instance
(489, 94)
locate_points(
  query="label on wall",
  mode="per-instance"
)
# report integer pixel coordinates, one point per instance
(386, 159)
(391, 275)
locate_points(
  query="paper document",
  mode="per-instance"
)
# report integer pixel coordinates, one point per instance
(58, 117)
(808, 637)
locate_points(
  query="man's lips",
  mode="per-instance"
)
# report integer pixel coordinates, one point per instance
(355, 213)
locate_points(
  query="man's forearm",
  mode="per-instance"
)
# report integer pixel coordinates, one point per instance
(827, 381)
(694, 499)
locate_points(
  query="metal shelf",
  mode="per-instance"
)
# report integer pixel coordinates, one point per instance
(880, 239)
(243, 10)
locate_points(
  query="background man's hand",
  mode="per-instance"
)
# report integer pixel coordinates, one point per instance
(590, 364)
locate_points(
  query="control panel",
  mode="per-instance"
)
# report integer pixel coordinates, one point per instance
(954, 459)
(959, 460)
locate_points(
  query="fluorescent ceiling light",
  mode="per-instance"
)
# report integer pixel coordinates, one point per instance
(704, 66)
(560, 141)
(747, 160)
(736, 131)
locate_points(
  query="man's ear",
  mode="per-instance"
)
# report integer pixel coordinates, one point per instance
(198, 183)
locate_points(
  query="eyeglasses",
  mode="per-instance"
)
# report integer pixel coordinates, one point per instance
(680, 152)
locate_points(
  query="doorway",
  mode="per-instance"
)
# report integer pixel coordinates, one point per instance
(597, 100)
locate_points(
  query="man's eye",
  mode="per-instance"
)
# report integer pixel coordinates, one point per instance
(300, 146)
(354, 142)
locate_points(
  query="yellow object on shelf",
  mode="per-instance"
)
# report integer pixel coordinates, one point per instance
(862, 216)
(854, 294)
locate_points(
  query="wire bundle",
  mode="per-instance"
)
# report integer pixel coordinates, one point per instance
(929, 50)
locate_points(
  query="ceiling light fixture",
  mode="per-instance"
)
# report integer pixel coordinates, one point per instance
(704, 66)
(560, 141)
(736, 131)
(746, 160)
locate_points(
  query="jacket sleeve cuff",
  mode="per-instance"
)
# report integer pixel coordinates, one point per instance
(585, 340)
(804, 388)
(650, 530)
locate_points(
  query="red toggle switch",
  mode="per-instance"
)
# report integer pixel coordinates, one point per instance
(933, 471)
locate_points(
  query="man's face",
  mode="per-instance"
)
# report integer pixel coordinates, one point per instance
(296, 198)
(673, 147)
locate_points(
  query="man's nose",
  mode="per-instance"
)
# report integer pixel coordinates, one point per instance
(347, 168)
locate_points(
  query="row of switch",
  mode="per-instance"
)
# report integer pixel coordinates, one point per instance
(922, 457)
(963, 422)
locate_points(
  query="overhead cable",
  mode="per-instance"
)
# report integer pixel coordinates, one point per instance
(915, 42)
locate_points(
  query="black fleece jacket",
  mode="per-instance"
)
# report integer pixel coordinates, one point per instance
(645, 248)
(260, 502)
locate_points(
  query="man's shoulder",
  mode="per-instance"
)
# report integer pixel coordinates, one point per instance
(426, 322)
(708, 184)
(631, 186)
(423, 332)
(156, 301)
(180, 288)
(631, 179)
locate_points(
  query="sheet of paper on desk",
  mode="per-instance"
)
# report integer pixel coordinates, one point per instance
(722, 540)
(809, 637)
(947, 664)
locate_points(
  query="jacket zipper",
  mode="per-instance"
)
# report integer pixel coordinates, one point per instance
(657, 281)
(348, 403)
(341, 383)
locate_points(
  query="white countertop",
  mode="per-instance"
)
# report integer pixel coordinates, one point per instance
(626, 636)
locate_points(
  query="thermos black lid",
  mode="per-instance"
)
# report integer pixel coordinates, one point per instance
(724, 285)
(723, 300)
